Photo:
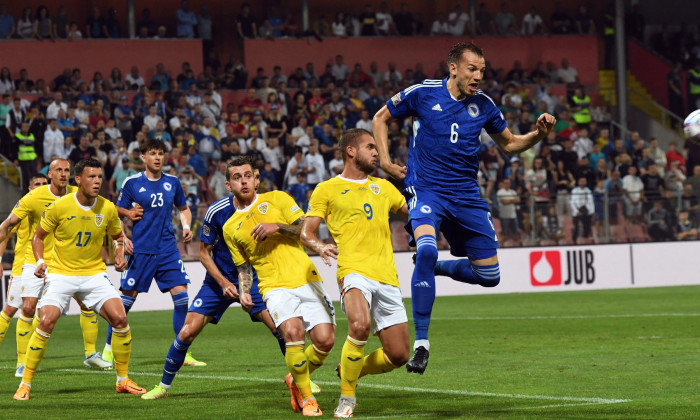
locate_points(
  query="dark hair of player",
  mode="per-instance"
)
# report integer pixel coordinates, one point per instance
(86, 163)
(456, 52)
(350, 138)
(153, 144)
(238, 161)
(36, 176)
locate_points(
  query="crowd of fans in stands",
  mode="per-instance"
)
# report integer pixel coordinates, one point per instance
(290, 125)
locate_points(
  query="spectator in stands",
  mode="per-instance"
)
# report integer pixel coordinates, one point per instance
(405, 22)
(83, 151)
(458, 21)
(560, 21)
(294, 165)
(186, 20)
(25, 24)
(7, 85)
(368, 22)
(340, 71)
(53, 141)
(336, 164)
(111, 24)
(633, 188)
(245, 24)
(564, 181)
(133, 80)
(300, 190)
(205, 30)
(505, 22)
(484, 21)
(161, 78)
(537, 180)
(314, 165)
(42, 24)
(385, 22)
(121, 172)
(508, 200)
(217, 182)
(686, 228)
(567, 74)
(147, 22)
(55, 106)
(615, 190)
(365, 122)
(440, 26)
(657, 155)
(7, 23)
(659, 223)
(115, 80)
(532, 23)
(673, 155)
(95, 25)
(674, 180)
(584, 22)
(582, 208)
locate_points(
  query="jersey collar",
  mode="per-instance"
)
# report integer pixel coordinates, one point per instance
(75, 196)
(250, 205)
(356, 181)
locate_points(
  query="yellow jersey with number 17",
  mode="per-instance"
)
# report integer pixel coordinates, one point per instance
(279, 260)
(357, 215)
(31, 207)
(79, 233)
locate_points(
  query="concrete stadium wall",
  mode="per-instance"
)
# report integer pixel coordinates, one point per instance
(523, 270)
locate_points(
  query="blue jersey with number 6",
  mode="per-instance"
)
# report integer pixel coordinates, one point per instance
(154, 233)
(443, 151)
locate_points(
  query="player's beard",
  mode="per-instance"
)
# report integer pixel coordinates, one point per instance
(365, 166)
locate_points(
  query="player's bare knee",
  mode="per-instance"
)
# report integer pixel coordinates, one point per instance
(397, 356)
(119, 321)
(325, 343)
(187, 333)
(359, 329)
(28, 308)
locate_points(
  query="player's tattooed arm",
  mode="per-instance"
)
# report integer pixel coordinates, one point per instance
(311, 241)
(263, 230)
(293, 229)
(245, 277)
(7, 226)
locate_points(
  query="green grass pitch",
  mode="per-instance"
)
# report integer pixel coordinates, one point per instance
(617, 354)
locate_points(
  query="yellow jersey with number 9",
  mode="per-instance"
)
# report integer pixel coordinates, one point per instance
(79, 233)
(357, 215)
(31, 207)
(279, 260)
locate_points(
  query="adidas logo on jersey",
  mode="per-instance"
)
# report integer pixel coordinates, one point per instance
(423, 284)
(142, 189)
(437, 107)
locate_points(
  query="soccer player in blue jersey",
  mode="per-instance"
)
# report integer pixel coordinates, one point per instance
(218, 292)
(441, 179)
(147, 199)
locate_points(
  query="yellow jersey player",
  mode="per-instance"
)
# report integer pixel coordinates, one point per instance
(79, 223)
(14, 300)
(263, 234)
(356, 209)
(31, 207)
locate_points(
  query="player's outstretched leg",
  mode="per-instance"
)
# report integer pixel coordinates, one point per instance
(194, 324)
(107, 355)
(423, 296)
(180, 305)
(464, 271)
(113, 311)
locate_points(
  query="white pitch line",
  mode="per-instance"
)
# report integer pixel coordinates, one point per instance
(536, 317)
(387, 387)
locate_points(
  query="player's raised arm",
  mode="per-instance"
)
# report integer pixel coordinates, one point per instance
(227, 286)
(311, 241)
(38, 249)
(185, 220)
(379, 130)
(517, 143)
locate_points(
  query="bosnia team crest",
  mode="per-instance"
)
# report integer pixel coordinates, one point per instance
(99, 218)
(374, 188)
(473, 110)
(167, 186)
(263, 208)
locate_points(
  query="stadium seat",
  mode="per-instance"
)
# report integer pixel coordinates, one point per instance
(618, 233)
(637, 233)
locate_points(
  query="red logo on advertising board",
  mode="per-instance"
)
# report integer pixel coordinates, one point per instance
(545, 268)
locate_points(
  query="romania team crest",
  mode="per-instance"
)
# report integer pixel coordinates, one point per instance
(375, 188)
(473, 110)
(99, 218)
(263, 208)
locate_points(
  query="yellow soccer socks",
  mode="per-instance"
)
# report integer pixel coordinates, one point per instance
(4, 324)
(35, 352)
(376, 363)
(351, 362)
(121, 348)
(88, 323)
(315, 357)
(298, 366)
(24, 333)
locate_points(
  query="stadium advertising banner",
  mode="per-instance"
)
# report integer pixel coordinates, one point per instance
(523, 270)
